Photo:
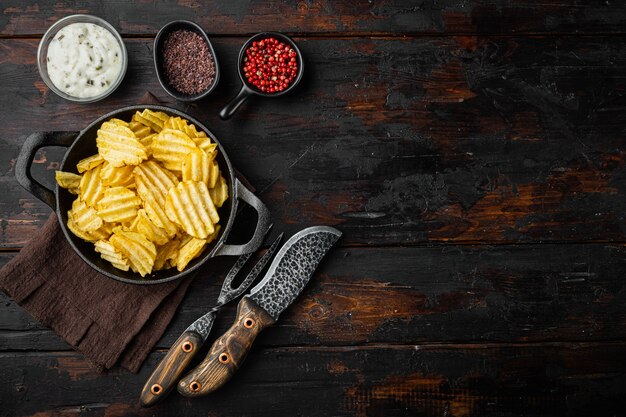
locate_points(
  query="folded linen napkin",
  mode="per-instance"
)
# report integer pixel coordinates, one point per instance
(108, 321)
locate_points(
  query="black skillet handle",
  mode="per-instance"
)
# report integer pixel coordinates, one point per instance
(25, 160)
(230, 109)
(262, 225)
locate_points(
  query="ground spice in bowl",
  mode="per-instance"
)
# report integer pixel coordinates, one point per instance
(188, 65)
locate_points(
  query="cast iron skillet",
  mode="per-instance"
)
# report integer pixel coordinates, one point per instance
(82, 144)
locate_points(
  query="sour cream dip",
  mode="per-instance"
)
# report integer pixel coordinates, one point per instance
(84, 60)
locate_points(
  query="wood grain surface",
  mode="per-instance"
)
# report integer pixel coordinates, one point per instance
(472, 154)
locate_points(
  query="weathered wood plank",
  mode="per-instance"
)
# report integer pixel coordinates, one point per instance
(354, 17)
(447, 380)
(414, 295)
(465, 139)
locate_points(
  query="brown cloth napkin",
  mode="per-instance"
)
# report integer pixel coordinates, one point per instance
(108, 321)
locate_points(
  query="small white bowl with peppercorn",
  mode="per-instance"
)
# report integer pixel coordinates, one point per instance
(185, 62)
(270, 65)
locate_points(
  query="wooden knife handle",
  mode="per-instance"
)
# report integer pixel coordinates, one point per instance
(228, 352)
(171, 368)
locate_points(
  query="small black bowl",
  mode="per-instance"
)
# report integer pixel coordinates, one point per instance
(247, 89)
(158, 58)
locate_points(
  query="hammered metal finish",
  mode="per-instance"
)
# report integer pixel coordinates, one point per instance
(202, 326)
(292, 268)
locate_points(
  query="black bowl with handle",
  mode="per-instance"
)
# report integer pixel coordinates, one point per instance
(248, 89)
(83, 144)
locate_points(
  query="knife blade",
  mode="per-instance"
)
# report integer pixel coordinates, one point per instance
(285, 279)
(172, 366)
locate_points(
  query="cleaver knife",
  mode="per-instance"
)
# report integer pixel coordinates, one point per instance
(287, 276)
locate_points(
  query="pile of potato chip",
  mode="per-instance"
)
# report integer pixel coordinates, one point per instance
(148, 199)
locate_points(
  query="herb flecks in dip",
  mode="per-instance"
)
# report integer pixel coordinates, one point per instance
(84, 60)
(188, 65)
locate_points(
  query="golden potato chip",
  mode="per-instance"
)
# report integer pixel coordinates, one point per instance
(153, 179)
(147, 142)
(170, 148)
(76, 230)
(119, 146)
(109, 253)
(214, 175)
(165, 254)
(131, 225)
(89, 163)
(154, 120)
(146, 227)
(116, 176)
(196, 166)
(188, 252)
(68, 180)
(140, 130)
(102, 233)
(118, 122)
(190, 206)
(139, 251)
(219, 194)
(198, 136)
(91, 187)
(119, 204)
(85, 217)
(157, 214)
(178, 123)
(206, 145)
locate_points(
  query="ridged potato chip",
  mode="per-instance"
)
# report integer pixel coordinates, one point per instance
(109, 253)
(89, 163)
(116, 176)
(157, 214)
(170, 147)
(68, 180)
(198, 136)
(214, 175)
(178, 123)
(190, 206)
(219, 194)
(119, 146)
(119, 204)
(85, 217)
(102, 233)
(139, 251)
(147, 142)
(91, 187)
(152, 178)
(151, 231)
(197, 166)
(118, 122)
(140, 130)
(153, 119)
(166, 254)
(188, 252)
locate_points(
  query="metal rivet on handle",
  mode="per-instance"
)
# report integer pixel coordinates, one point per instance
(187, 347)
(195, 386)
(224, 358)
(156, 389)
(248, 323)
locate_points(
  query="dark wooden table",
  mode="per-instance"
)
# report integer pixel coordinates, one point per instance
(471, 152)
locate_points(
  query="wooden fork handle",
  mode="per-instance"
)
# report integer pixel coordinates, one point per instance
(228, 352)
(171, 368)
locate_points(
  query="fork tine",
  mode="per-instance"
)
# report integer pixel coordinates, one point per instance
(241, 261)
(233, 293)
